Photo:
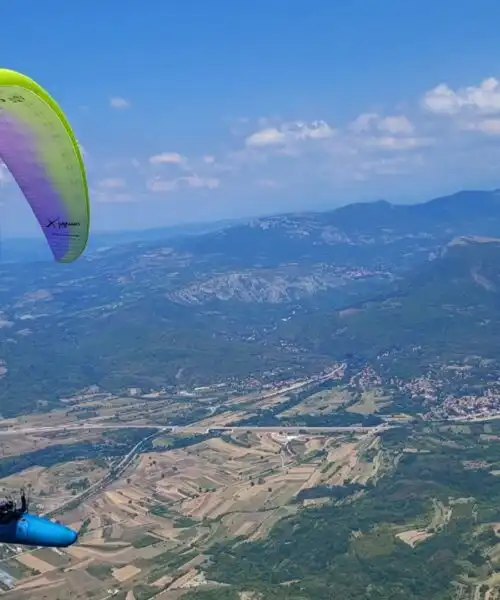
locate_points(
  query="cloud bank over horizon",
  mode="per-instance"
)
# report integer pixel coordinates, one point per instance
(448, 136)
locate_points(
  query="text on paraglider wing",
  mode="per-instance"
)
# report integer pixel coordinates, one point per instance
(16, 99)
(58, 224)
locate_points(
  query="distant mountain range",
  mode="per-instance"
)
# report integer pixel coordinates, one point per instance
(272, 297)
(369, 231)
(29, 249)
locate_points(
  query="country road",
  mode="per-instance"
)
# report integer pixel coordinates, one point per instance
(114, 474)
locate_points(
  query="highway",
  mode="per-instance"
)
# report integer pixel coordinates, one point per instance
(187, 428)
(12, 431)
(80, 427)
(118, 469)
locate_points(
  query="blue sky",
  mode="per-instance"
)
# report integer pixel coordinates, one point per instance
(196, 110)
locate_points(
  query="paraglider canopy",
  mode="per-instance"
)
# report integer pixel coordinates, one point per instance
(39, 148)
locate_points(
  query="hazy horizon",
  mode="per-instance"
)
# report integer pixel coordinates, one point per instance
(35, 234)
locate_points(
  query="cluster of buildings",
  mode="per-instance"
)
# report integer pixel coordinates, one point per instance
(366, 378)
(438, 394)
(422, 387)
(469, 406)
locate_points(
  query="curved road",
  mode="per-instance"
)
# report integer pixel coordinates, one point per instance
(115, 472)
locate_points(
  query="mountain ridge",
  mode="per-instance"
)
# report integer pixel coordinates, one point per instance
(252, 302)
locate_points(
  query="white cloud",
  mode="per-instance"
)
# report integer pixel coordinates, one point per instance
(391, 133)
(377, 146)
(83, 151)
(112, 183)
(122, 164)
(488, 126)
(267, 183)
(396, 125)
(115, 198)
(266, 137)
(288, 133)
(443, 100)
(392, 165)
(389, 142)
(111, 190)
(190, 178)
(110, 196)
(363, 123)
(167, 158)
(5, 176)
(369, 132)
(195, 181)
(158, 185)
(118, 102)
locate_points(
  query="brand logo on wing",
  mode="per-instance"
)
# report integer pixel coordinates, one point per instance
(58, 224)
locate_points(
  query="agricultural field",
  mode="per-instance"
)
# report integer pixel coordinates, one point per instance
(172, 522)
(321, 403)
(150, 531)
(58, 483)
(370, 402)
(191, 506)
(94, 408)
(417, 516)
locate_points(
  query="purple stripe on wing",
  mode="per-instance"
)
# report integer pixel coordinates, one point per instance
(18, 150)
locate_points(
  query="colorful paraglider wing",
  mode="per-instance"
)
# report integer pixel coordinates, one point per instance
(40, 150)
